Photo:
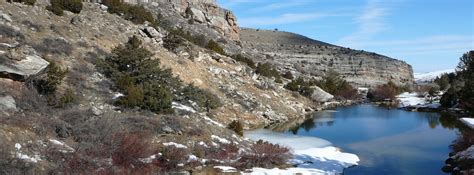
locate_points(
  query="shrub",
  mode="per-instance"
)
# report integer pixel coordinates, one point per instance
(54, 46)
(138, 14)
(172, 42)
(306, 91)
(265, 155)
(347, 91)
(203, 98)
(443, 82)
(288, 75)
(301, 86)
(227, 152)
(386, 91)
(212, 45)
(267, 70)
(157, 98)
(58, 6)
(130, 148)
(295, 85)
(450, 98)
(278, 80)
(433, 92)
(331, 82)
(237, 127)
(54, 77)
(68, 97)
(133, 97)
(243, 59)
(9, 32)
(135, 13)
(74, 6)
(28, 2)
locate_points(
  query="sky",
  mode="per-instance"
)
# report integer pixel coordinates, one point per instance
(430, 35)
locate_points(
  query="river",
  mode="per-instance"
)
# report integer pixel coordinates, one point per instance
(387, 141)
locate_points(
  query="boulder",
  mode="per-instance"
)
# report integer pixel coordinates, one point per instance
(320, 95)
(76, 20)
(7, 103)
(21, 63)
(198, 15)
(5, 17)
(103, 7)
(152, 32)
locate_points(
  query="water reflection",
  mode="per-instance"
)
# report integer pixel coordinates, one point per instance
(388, 141)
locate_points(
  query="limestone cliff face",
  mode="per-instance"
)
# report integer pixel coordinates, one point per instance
(310, 58)
(205, 12)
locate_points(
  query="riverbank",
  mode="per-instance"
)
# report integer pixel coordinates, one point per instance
(311, 155)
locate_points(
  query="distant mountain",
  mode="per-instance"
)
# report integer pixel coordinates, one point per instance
(430, 76)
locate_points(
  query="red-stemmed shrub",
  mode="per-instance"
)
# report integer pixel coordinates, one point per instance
(265, 155)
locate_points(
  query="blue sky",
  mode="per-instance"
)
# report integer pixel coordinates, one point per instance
(428, 34)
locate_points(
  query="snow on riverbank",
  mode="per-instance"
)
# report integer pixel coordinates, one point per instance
(413, 100)
(312, 155)
(468, 121)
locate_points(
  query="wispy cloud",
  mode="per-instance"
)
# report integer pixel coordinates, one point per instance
(429, 44)
(370, 22)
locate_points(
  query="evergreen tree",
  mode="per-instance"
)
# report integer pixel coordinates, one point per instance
(443, 82)
(140, 77)
(467, 71)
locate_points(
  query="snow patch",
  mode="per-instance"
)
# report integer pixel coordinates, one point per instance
(117, 95)
(182, 107)
(226, 169)
(192, 158)
(20, 155)
(221, 140)
(177, 145)
(213, 122)
(311, 155)
(430, 76)
(468, 121)
(413, 100)
(203, 144)
(148, 159)
(57, 142)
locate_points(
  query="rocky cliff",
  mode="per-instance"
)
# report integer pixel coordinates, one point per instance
(311, 58)
(205, 14)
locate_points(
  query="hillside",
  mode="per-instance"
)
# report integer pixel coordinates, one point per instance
(311, 58)
(430, 76)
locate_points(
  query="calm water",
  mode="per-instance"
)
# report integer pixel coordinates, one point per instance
(386, 141)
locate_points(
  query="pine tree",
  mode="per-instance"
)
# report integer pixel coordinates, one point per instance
(467, 70)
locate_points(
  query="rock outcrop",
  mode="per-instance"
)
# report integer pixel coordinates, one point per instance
(206, 13)
(19, 63)
(320, 95)
(311, 58)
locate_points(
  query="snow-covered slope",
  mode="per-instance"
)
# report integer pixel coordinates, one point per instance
(430, 76)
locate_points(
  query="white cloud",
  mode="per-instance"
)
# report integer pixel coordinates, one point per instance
(428, 44)
(370, 22)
